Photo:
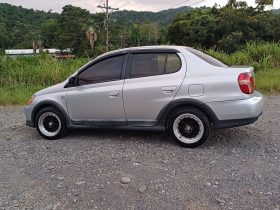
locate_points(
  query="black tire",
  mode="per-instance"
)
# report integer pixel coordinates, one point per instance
(47, 116)
(194, 127)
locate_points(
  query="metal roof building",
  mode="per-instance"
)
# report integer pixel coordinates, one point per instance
(15, 52)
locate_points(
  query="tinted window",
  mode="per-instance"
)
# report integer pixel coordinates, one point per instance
(103, 71)
(173, 63)
(152, 64)
(207, 58)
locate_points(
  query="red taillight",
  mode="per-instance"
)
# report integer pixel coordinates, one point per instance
(246, 82)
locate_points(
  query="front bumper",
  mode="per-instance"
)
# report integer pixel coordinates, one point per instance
(237, 113)
(28, 115)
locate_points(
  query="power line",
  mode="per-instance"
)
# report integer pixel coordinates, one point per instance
(109, 9)
(179, 10)
(176, 5)
(127, 3)
(118, 3)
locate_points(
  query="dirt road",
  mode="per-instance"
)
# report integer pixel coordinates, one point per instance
(237, 168)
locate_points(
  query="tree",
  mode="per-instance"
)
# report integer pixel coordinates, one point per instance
(19, 26)
(237, 4)
(193, 28)
(232, 3)
(73, 24)
(261, 4)
(49, 32)
(227, 28)
(149, 33)
(135, 35)
(4, 35)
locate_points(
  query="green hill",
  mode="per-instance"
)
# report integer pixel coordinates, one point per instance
(18, 25)
(277, 11)
(164, 17)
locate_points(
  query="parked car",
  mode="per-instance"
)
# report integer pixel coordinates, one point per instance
(179, 89)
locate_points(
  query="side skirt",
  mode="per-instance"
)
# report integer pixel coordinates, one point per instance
(124, 125)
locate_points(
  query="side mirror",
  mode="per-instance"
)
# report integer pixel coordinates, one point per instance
(73, 81)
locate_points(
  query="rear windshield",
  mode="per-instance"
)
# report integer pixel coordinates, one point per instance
(207, 58)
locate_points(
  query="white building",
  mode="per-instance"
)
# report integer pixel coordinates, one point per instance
(22, 52)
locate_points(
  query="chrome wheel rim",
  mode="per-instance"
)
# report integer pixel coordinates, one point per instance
(49, 124)
(188, 128)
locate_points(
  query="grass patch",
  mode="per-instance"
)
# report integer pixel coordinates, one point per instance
(268, 82)
(17, 96)
(22, 76)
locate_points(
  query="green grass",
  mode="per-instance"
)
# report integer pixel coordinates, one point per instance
(268, 82)
(17, 95)
(22, 76)
(263, 56)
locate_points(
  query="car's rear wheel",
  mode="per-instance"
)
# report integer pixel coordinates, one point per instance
(190, 127)
(50, 123)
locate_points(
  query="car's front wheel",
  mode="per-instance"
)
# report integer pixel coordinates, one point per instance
(50, 123)
(190, 127)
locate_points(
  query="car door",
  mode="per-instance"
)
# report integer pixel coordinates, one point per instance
(152, 82)
(97, 100)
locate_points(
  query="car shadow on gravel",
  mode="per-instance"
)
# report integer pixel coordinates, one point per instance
(230, 138)
(114, 135)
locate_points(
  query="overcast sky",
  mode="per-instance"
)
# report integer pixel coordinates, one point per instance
(139, 5)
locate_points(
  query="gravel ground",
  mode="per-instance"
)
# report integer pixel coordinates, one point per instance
(237, 168)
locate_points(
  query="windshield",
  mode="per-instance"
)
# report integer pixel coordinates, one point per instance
(207, 58)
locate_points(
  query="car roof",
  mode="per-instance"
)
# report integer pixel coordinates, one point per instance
(147, 48)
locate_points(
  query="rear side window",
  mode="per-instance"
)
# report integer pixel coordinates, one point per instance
(152, 64)
(207, 58)
(173, 63)
(104, 71)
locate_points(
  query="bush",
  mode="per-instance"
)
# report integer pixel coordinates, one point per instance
(263, 56)
(41, 70)
(22, 76)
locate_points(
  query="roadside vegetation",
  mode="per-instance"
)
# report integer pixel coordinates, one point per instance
(237, 34)
(22, 76)
(226, 28)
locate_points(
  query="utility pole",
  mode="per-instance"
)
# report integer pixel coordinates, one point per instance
(122, 37)
(106, 21)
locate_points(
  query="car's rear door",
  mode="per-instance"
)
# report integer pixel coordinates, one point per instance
(152, 81)
(97, 100)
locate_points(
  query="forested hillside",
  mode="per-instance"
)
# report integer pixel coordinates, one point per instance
(19, 26)
(164, 17)
(225, 28)
(277, 11)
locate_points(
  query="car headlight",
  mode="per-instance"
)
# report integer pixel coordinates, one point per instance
(31, 100)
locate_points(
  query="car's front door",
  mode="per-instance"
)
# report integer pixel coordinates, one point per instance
(153, 81)
(97, 100)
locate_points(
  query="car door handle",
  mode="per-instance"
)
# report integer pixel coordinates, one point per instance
(114, 94)
(168, 90)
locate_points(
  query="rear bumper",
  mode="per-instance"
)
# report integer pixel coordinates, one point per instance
(219, 124)
(237, 113)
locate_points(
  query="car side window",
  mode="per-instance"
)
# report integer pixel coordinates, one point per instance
(104, 71)
(152, 64)
(173, 63)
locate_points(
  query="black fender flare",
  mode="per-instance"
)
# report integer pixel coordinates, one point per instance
(47, 103)
(162, 117)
